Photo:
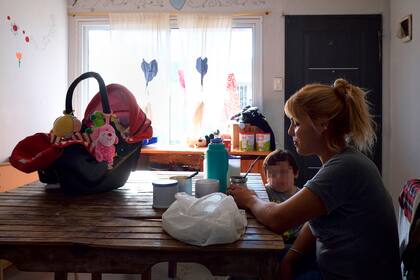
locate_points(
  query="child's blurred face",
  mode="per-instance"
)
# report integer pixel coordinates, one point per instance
(281, 177)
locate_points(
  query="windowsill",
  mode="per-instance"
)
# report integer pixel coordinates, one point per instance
(179, 155)
(182, 150)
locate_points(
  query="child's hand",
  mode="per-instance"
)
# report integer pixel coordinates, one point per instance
(242, 196)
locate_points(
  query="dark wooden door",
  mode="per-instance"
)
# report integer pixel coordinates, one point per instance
(324, 48)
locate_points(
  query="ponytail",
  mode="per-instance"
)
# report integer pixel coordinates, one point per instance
(359, 120)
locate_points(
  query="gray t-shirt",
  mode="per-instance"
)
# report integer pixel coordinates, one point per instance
(278, 197)
(358, 238)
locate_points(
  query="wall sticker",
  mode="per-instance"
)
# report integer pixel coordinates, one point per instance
(20, 37)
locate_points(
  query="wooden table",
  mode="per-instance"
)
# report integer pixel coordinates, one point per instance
(118, 232)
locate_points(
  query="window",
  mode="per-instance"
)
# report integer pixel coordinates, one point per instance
(244, 80)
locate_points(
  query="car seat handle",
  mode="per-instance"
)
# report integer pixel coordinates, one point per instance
(102, 91)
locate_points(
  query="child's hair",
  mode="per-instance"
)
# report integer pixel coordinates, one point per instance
(280, 155)
(345, 107)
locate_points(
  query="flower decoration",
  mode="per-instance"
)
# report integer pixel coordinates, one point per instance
(19, 56)
(17, 30)
(181, 78)
(14, 28)
(231, 82)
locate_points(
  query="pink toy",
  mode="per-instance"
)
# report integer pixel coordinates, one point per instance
(105, 139)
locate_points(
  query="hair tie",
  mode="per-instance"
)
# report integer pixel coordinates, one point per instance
(341, 88)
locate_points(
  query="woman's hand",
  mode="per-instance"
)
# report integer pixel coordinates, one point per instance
(243, 196)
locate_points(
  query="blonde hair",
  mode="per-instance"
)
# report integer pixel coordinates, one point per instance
(345, 107)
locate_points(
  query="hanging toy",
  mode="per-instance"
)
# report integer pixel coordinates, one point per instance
(149, 70)
(66, 125)
(105, 138)
(98, 119)
(202, 67)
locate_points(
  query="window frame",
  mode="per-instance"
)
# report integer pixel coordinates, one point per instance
(78, 56)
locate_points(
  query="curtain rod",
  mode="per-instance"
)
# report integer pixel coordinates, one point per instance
(101, 14)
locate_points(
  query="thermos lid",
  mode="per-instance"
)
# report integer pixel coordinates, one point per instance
(234, 157)
(216, 140)
(164, 183)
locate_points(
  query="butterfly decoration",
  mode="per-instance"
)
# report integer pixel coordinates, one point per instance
(149, 69)
(202, 67)
(177, 4)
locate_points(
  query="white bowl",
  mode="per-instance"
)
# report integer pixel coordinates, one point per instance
(184, 184)
(206, 186)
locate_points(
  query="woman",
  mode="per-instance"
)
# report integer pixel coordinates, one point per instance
(346, 210)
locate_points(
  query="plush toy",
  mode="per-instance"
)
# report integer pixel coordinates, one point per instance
(201, 142)
(65, 126)
(195, 143)
(98, 119)
(211, 136)
(105, 138)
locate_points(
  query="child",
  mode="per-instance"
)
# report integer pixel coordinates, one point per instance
(281, 170)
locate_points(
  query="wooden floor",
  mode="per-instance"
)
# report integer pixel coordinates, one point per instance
(186, 271)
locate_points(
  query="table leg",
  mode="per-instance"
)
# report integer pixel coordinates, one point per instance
(269, 269)
(147, 275)
(172, 269)
(1, 270)
(60, 275)
(96, 276)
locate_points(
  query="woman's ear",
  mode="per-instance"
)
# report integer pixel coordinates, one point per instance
(322, 126)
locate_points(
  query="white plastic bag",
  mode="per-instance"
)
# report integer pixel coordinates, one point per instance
(211, 219)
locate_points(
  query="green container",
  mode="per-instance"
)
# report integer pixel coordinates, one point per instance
(217, 163)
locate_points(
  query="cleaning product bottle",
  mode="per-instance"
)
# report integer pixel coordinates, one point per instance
(217, 163)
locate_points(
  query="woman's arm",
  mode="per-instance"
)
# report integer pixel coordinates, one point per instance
(279, 217)
(302, 245)
(304, 242)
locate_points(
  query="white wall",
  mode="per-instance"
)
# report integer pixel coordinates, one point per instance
(405, 98)
(32, 95)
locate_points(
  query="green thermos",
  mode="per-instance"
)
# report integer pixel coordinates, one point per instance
(217, 163)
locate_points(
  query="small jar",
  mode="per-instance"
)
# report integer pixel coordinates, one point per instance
(164, 191)
(239, 181)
